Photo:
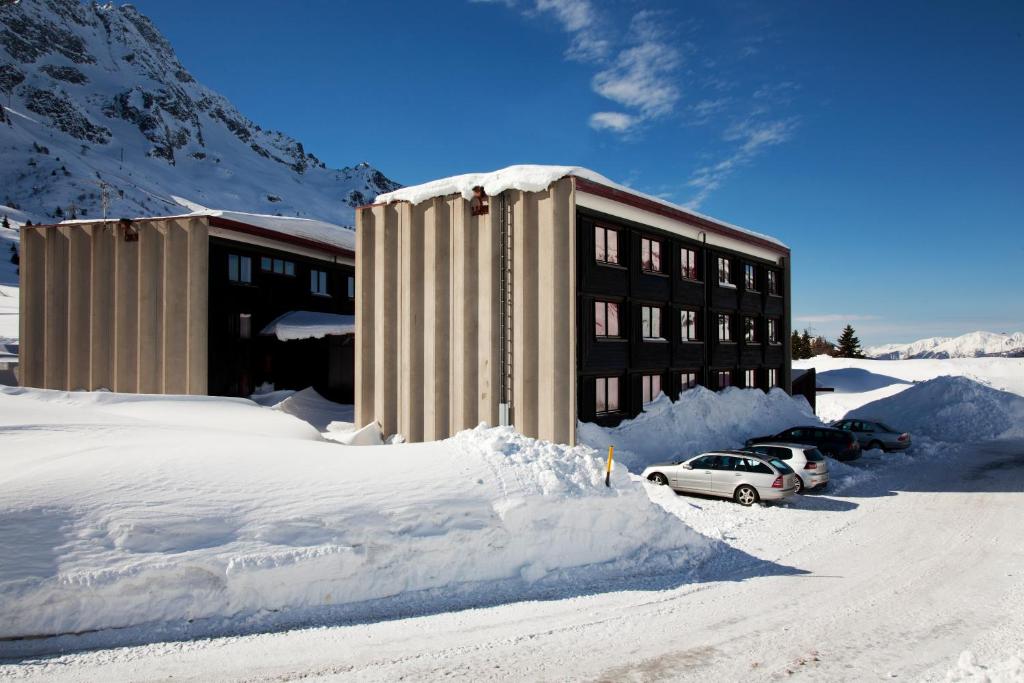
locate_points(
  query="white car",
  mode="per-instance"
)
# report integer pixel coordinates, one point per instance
(809, 464)
(741, 475)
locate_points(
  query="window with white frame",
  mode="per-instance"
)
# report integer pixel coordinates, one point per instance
(239, 268)
(606, 245)
(606, 319)
(277, 266)
(773, 377)
(773, 282)
(318, 282)
(750, 277)
(688, 330)
(750, 378)
(650, 322)
(724, 378)
(688, 380)
(750, 332)
(725, 272)
(688, 263)
(724, 327)
(607, 395)
(351, 287)
(650, 255)
(651, 387)
(773, 331)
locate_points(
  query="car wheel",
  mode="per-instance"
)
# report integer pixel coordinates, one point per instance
(875, 445)
(799, 484)
(745, 495)
(658, 478)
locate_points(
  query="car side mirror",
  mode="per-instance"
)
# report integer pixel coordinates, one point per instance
(687, 466)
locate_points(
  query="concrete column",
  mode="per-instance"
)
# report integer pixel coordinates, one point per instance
(32, 302)
(410, 409)
(79, 305)
(364, 308)
(385, 317)
(198, 314)
(126, 311)
(150, 288)
(101, 320)
(465, 326)
(524, 332)
(489, 314)
(174, 308)
(56, 322)
(554, 290)
(436, 308)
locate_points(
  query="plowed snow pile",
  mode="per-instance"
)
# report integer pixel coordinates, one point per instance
(120, 511)
(700, 420)
(951, 408)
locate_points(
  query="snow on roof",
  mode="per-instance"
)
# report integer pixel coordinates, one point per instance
(530, 178)
(307, 228)
(309, 325)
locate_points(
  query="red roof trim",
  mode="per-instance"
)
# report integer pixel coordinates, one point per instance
(228, 224)
(590, 187)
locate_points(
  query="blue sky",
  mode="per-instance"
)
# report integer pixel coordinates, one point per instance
(882, 141)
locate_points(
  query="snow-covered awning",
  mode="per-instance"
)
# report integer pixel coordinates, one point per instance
(309, 325)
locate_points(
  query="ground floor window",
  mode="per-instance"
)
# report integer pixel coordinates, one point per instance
(750, 378)
(351, 287)
(773, 377)
(607, 399)
(724, 378)
(652, 387)
(687, 380)
(318, 282)
(244, 325)
(773, 331)
(750, 334)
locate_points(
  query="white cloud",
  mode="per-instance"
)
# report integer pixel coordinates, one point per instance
(642, 77)
(580, 20)
(613, 120)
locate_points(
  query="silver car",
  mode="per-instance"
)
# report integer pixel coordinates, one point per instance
(874, 434)
(741, 475)
(808, 463)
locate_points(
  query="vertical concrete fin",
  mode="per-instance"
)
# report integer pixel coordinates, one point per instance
(436, 300)
(126, 310)
(488, 262)
(465, 316)
(385, 316)
(79, 307)
(366, 288)
(101, 320)
(150, 288)
(411, 380)
(525, 314)
(198, 305)
(32, 302)
(175, 295)
(56, 322)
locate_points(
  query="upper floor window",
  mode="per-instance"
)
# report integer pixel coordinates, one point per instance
(724, 327)
(725, 272)
(607, 245)
(607, 395)
(687, 380)
(688, 263)
(773, 282)
(750, 378)
(318, 282)
(651, 387)
(239, 268)
(773, 377)
(650, 255)
(688, 326)
(750, 333)
(750, 276)
(773, 331)
(277, 266)
(650, 322)
(351, 287)
(724, 378)
(606, 319)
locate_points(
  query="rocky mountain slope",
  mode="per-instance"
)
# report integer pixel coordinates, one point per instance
(95, 102)
(971, 345)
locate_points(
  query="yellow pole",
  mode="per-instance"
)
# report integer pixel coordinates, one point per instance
(608, 473)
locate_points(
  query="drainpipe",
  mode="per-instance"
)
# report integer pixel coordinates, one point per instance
(505, 403)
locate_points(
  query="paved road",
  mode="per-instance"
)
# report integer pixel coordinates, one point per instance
(934, 567)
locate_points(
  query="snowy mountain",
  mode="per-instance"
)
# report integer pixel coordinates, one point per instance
(96, 102)
(971, 345)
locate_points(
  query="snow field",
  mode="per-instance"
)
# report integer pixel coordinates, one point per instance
(122, 511)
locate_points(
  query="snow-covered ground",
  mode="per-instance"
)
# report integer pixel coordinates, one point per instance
(243, 519)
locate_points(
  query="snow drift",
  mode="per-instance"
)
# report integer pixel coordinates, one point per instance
(950, 408)
(114, 517)
(700, 420)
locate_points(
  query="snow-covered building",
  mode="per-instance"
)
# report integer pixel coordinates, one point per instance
(541, 296)
(215, 302)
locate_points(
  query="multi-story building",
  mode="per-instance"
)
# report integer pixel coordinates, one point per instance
(539, 296)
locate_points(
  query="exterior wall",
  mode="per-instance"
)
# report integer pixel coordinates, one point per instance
(429, 315)
(99, 311)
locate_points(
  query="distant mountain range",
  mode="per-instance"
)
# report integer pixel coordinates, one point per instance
(96, 102)
(971, 345)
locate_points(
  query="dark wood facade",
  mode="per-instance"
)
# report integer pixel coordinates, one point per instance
(240, 359)
(630, 356)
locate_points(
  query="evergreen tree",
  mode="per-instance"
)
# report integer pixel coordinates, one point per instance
(805, 344)
(6, 223)
(849, 345)
(796, 346)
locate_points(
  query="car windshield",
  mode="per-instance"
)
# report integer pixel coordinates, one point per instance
(813, 455)
(782, 467)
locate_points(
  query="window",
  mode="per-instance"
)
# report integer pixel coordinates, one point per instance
(688, 261)
(687, 380)
(351, 287)
(724, 272)
(750, 378)
(244, 325)
(607, 245)
(724, 327)
(724, 378)
(773, 282)
(607, 399)
(650, 255)
(750, 332)
(688, 330)
(750, 276)
(239, 268)
(318, 282)
(773, 377)
(652, 387)
(773, 330)
(277, 266)
(650, 322)
(606, 319)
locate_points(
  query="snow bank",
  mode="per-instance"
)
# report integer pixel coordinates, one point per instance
(968, 669)
(311, 407)
(108, 521)
(952, 409)
(699, 421)
(309, 325)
